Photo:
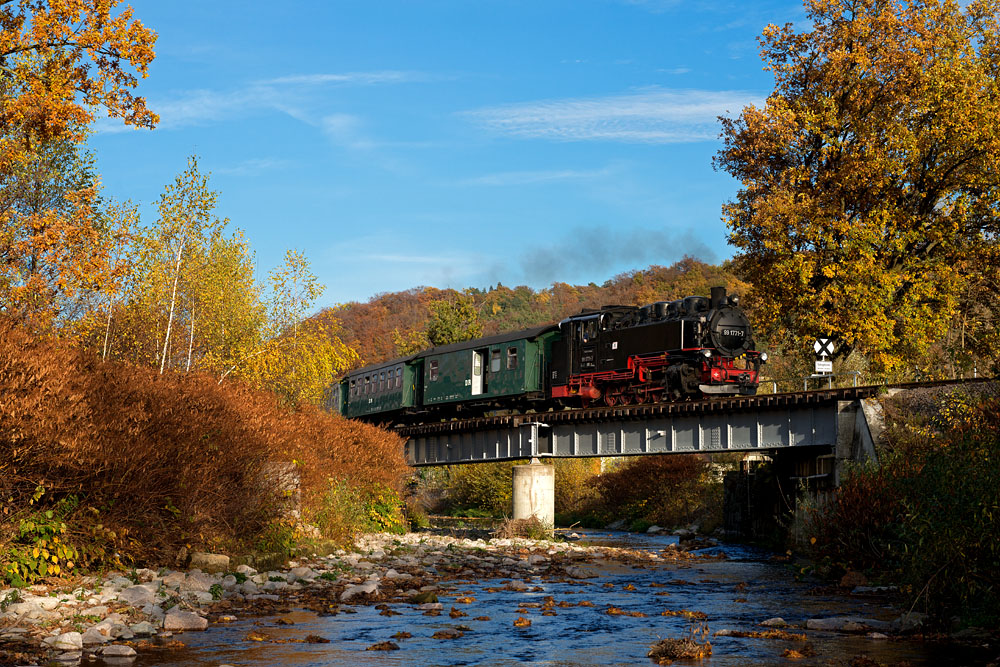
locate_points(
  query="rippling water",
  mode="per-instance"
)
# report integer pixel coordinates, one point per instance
(736, 593)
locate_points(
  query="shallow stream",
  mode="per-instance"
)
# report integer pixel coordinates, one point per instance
(736, 593)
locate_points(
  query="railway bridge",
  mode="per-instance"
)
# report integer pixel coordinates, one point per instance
(809, 435)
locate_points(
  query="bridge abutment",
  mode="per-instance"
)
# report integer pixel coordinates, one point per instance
(534, 492)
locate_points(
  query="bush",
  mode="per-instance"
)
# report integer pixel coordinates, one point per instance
(131, 462)
(929, 516)
(486, 486)
(662, 490)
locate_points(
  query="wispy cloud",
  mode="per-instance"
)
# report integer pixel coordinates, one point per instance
(355, 78)
(254, 165)
(509, 178)
(650, 116)
(291, 95)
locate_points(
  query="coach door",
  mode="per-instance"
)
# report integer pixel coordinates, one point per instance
(478, 365)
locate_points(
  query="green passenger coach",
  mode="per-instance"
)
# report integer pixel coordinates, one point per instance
(480, 370)
(388, 388)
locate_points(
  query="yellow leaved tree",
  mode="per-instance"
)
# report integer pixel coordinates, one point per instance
(301, 356)
(870, 178)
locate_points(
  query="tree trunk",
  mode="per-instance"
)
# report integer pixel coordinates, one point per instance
(173, 301)
(107, 332)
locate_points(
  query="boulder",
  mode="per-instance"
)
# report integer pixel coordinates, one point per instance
(776, 622)
(197, 581)
(368, 588)
(184, 621)
(143, 629)
(68, 641)
(136, 596)
(118, 651)
(210, 563)
(93, 636)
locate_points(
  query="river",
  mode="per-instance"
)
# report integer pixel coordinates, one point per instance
(736, 591)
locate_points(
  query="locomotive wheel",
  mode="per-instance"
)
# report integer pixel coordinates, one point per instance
(610, 399)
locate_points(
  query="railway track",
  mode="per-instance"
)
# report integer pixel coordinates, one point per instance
(730, 404)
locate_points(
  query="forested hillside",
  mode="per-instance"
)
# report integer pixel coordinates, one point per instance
(396, 323)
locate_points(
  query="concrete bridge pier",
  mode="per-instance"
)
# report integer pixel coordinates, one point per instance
(534, 492)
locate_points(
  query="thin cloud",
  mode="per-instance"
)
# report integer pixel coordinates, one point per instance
(359, 78)
(291, 95)
(657, 116)
(254, 165)
(511, 178)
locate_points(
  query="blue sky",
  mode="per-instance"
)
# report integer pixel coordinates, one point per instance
(450, 143)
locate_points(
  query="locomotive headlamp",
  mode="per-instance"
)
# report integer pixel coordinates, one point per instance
(763, 357)
(706, 353)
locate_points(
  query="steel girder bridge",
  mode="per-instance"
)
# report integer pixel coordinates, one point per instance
(832, 419)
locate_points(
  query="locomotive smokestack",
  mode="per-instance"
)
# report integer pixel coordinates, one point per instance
(718, 296)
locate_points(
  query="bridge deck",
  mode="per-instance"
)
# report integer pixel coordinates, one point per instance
(769, 421)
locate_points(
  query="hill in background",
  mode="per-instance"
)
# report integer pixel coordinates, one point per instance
(395, 323)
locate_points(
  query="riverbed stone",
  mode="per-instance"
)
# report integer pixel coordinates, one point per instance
(68, 641)
(776, 622)
(184, 621)
(208, 562)
(93, 636)
(196, 580)
(368, 588)
(136, 596)
(143, 629)
(117, 651)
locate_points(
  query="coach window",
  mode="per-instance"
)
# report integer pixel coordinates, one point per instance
(368, 384)
(511, 358)
(434, 371)
(399, 377)
(381, 381)
(495, 361)
(353, 389)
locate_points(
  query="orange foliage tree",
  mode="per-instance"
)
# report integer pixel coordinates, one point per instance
(871, 176)
(60, 61)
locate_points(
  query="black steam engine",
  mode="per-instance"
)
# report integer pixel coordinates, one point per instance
(670, 350)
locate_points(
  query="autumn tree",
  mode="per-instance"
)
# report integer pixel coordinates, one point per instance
(60, 61)
(453, 320)
(871, 175)
(301, 356)
(186, 228)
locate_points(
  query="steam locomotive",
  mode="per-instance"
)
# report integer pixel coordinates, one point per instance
(616, 355)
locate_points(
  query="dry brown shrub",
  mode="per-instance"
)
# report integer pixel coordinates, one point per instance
(531, 528)
(162, 460)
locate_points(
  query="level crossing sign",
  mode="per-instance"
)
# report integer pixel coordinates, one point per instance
(824, 347)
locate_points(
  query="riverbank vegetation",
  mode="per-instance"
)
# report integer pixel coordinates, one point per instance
(928, 515)
(635, 493)
(108, 464)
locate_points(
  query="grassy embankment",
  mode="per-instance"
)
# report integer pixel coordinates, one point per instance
(108, 465)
